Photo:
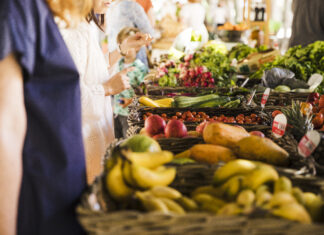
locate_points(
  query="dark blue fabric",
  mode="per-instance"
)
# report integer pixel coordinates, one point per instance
(53, 157)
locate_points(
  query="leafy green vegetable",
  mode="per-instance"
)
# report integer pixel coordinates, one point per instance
(303, 61)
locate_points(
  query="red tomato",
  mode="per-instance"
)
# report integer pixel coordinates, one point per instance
(318, 121)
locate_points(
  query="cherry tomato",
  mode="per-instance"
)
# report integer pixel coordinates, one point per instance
(240, 122)
(178, 114)
(164, 115)
(194, 113)
(174, 118)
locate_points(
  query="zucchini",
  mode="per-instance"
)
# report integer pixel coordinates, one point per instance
(215, 103)
(185, 102)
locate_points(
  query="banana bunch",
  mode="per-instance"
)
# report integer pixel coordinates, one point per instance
(241, 186)
(165, 200)
(131, 171)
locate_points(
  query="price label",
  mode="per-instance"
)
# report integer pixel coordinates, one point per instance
(265, 97)
(309, 143)
(279, 125)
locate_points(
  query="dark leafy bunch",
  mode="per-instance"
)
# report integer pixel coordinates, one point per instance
(303, 61)
(241, 51)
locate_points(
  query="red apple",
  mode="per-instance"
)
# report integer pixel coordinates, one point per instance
(154, 125)
(257, 133)
(175, 129)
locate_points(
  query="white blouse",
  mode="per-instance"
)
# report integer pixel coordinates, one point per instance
(97, 114)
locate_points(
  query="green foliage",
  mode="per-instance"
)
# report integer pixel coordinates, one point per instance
(303, 61)
(217, 63)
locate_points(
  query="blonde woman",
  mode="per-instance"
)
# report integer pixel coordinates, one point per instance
(42, 166)
(96, 85)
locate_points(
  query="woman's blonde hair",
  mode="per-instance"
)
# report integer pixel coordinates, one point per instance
(71, 11)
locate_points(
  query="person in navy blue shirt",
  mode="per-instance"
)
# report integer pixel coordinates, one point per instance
(42, 167)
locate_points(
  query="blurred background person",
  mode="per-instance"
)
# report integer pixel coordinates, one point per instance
(308, 22)
(136, 77)
(148, 8)
(126, 13)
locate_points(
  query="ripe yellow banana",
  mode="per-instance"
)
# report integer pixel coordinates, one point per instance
(261, 175)
(283, 184)
(263, 198)
(166, 192)
(147, 178)
(246, 198)
(116, 185)
(213, 191)
(232, 187)
(127, 174)
(314, 205)
(280, 199)
(298, 195)
(173, 206)
(230, 209)
(150, 160)
(187, 203)
(151, 203)
(236, 167)
(148, 102)
(207, 199)
(293, 211)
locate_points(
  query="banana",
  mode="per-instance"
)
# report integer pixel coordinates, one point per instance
(230, 209)
(173, 206)
(262, 198)
(127, 174)
(280, 199)
(236, 167)
(149, 160)
(166, 192)
(283, 184)
(151, 203)
(187, 203)
(232, 187)
(298, 195)
(261, 189)
(246, 198)
(147, 178)
(293, 211)
(261, 175)
(213, 191)
(202, 198)
(314, 205)
(116, 185)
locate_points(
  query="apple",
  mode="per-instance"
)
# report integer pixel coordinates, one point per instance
(154, 125)
(175, 129)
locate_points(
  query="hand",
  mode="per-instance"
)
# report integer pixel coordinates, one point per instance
(126, 102)
(118, 82)
(136, 42)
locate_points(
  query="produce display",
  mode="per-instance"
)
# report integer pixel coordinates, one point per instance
(238, 165)
(208, 67)
(206, 101)
(189, 116)
(302, 61)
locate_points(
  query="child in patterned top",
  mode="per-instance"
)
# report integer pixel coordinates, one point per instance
(136, 77)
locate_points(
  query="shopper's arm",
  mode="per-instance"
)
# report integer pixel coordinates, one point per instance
(12, 134)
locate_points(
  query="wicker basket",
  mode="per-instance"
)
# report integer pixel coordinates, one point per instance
(281, 99)
(136, 115)
(98, 215)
